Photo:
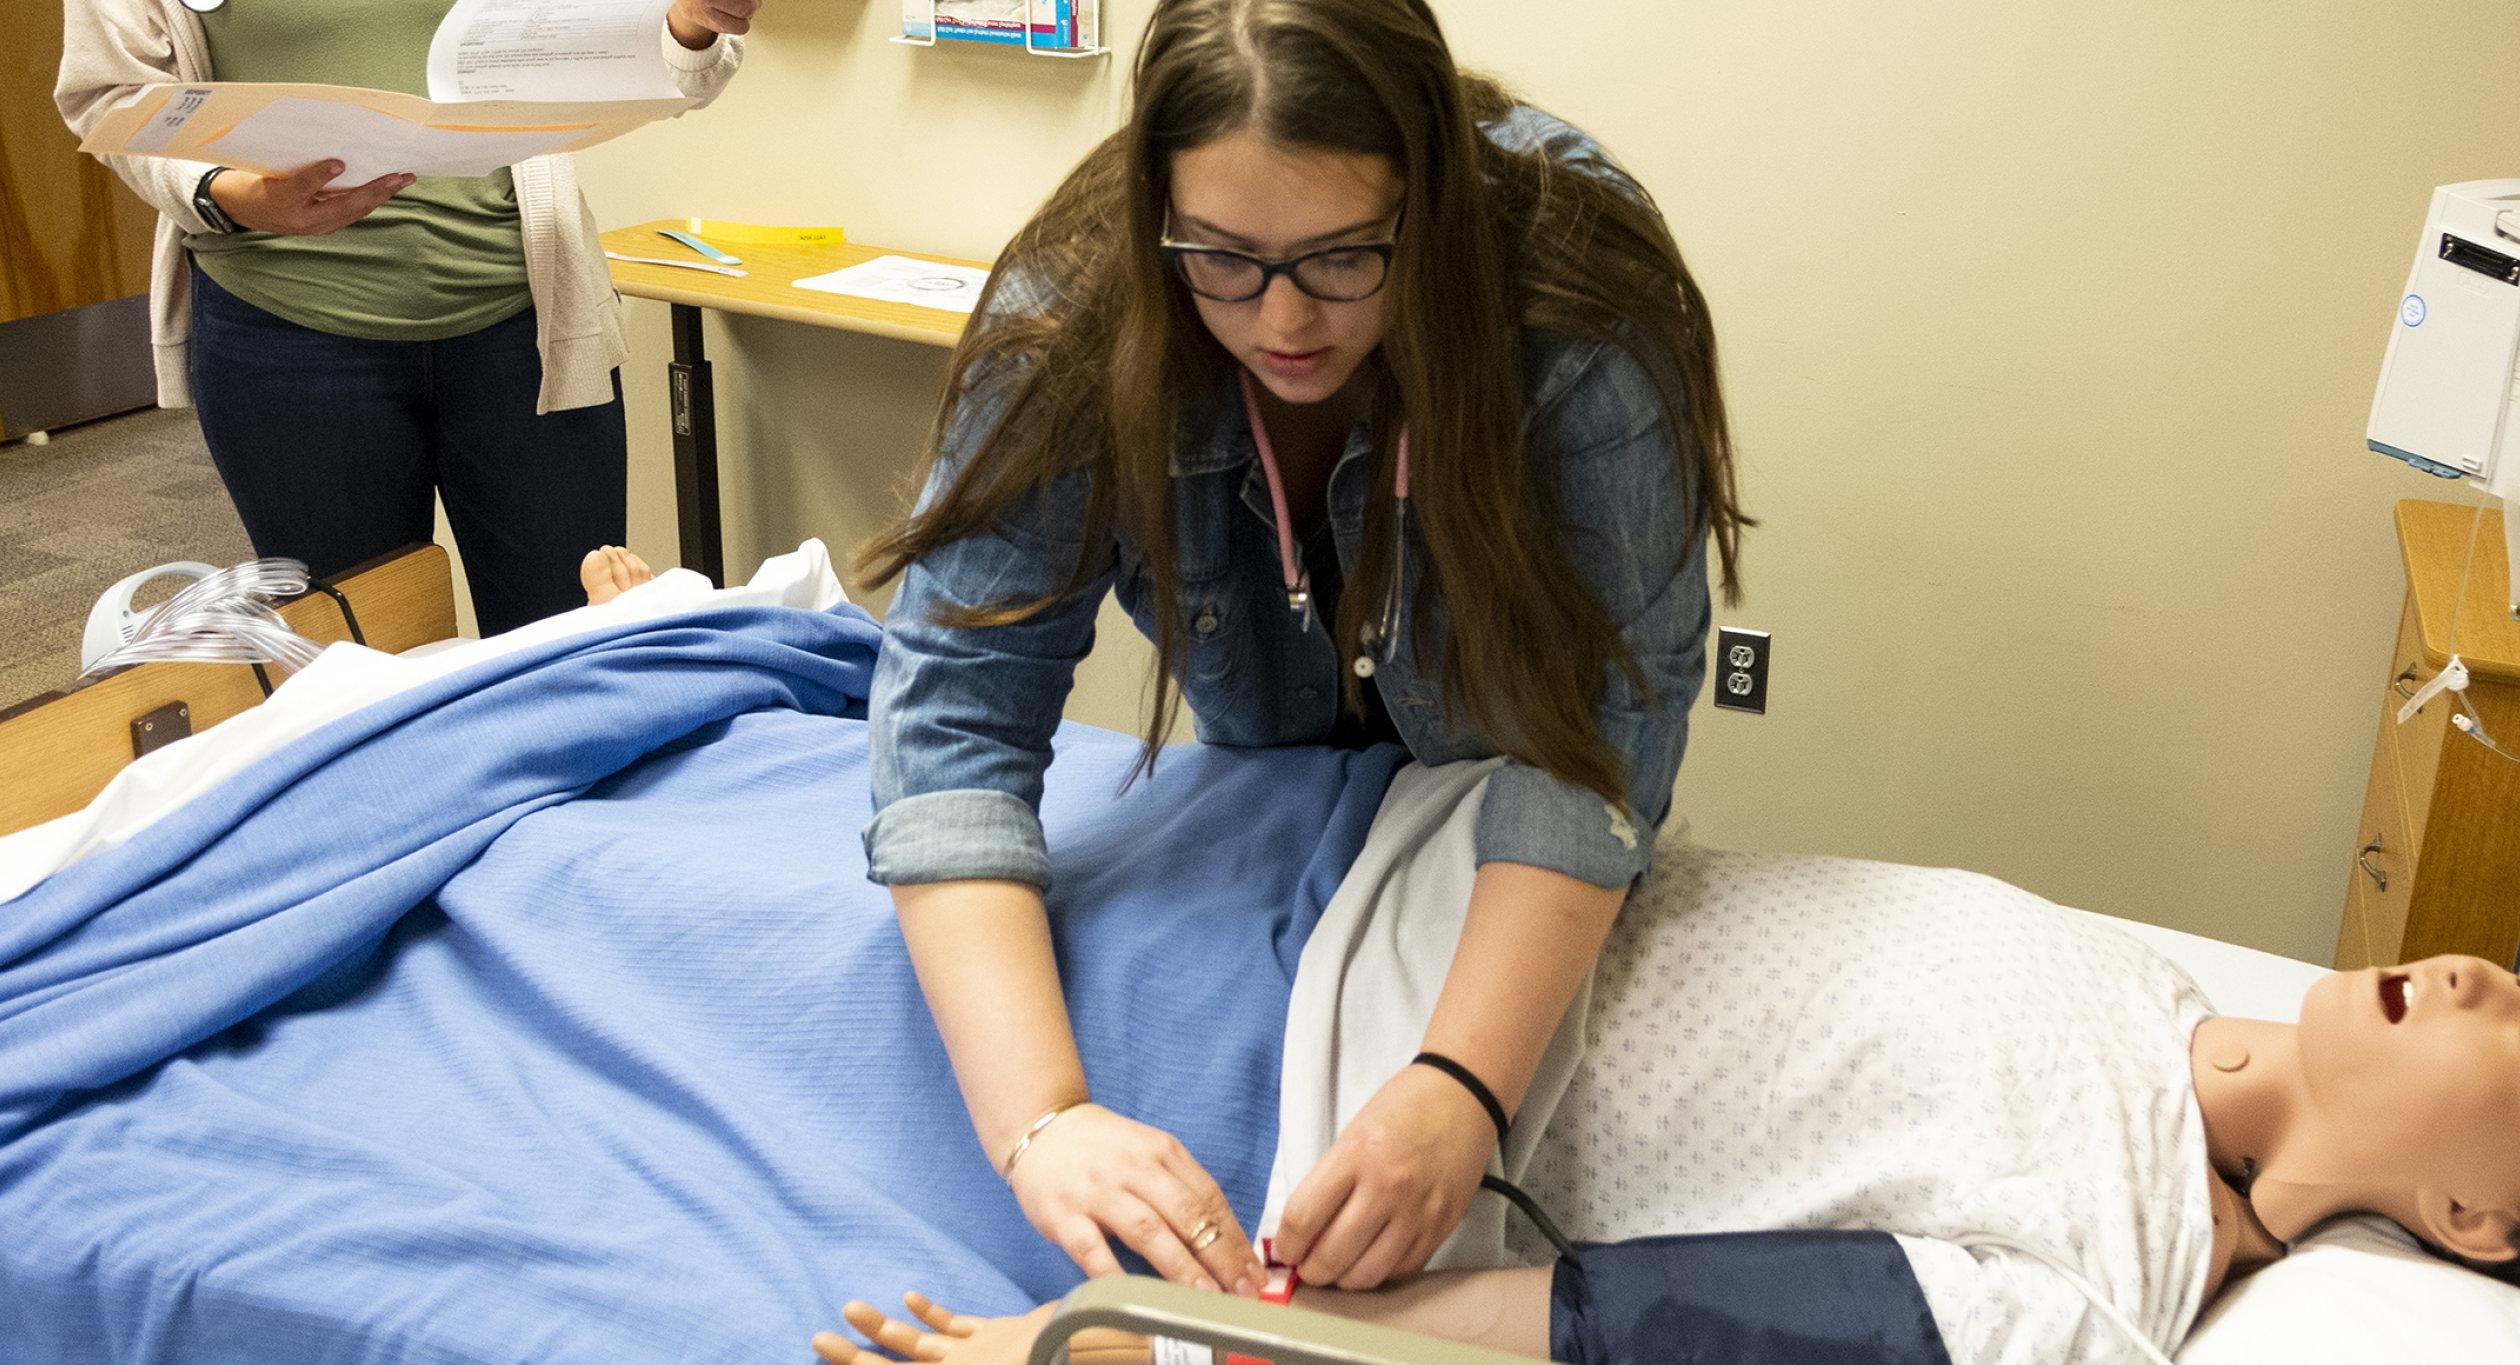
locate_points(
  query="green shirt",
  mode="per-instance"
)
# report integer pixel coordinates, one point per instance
(442, 258)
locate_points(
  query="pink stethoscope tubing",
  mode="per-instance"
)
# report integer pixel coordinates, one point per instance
(1298, 579)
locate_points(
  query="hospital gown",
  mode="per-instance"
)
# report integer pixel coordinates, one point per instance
(1819, 1043)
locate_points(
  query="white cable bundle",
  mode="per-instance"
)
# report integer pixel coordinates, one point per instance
(223, 616)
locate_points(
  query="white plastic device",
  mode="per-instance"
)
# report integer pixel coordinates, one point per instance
(2449, 395)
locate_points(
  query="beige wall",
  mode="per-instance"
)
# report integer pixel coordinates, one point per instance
(2049, 330)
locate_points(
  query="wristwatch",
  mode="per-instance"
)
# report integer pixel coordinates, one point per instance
(208, 207)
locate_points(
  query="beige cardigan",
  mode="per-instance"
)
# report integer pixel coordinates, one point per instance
(110, 48)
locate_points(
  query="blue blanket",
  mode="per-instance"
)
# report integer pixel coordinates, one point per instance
(544, 1013)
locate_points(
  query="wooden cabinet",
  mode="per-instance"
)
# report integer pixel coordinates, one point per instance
(2436, 860)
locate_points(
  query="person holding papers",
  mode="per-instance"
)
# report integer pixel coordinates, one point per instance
(356, 350)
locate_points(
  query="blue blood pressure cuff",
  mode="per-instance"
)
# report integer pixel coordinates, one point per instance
(1786, 1298)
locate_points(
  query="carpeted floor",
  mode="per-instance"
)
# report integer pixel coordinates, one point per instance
(101, 501)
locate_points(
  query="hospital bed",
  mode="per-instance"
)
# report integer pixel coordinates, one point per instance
(59, 749)
(2355, 1293)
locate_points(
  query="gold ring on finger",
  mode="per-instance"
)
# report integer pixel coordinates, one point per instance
(1204, 1235)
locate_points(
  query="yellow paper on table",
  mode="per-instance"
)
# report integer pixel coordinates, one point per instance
(756, 234)
(273, 129)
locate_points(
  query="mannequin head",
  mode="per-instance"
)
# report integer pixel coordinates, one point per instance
(2398, 1093)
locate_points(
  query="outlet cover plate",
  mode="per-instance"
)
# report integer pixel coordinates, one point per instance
(1740, 669)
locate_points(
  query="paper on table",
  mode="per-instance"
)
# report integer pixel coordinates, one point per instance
(899, 279)
(369, 143)
(551, 50)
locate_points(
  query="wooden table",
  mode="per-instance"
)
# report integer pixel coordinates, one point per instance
(767, 290)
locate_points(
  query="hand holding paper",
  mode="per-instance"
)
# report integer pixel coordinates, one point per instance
(297, 203)
(278, 130)
(509, 80)
(697, 23)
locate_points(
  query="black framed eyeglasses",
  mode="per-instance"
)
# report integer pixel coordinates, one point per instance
(1338, 274)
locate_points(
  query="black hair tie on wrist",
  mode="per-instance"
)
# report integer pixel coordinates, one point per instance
(1496, 1114)
(1477, 1088)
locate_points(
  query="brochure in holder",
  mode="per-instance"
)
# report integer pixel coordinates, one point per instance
(1043, 28)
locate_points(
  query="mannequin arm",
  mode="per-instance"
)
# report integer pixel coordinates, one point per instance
(1288, 1336)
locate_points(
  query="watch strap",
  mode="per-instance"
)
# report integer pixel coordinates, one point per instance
(208, 207)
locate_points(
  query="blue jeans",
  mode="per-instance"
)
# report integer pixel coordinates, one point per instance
(332, 446)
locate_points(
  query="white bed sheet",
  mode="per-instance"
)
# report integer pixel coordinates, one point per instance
(2240, 981)
(346, 677)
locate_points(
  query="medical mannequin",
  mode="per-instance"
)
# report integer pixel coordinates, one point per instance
(608, 571)
(2397, 1093)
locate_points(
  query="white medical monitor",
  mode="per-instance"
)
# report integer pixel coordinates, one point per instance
(2449, 396)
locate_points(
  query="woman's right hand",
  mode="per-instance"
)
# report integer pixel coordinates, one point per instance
(1093, 1175)
(298, 203)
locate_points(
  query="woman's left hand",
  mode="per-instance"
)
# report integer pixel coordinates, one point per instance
(1393, 1187)
(697, 23)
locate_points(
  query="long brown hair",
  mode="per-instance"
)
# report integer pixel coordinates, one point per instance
(1106, 355)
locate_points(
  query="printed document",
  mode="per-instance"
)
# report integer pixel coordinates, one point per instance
(551, 50)
(510, 80)
(899, 279)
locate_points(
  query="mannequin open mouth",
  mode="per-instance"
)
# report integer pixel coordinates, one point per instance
(2395, 989)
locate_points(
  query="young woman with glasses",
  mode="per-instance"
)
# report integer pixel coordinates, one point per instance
(1388, 409)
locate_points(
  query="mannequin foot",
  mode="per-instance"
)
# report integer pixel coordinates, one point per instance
(610, 572)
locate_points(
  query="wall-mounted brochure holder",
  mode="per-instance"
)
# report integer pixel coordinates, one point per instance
(1067, 30)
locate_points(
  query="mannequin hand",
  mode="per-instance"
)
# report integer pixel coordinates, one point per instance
(298, 203)
(1092, 1175)
(1393, 1186)
(967, 1340)
(950, 1336)
(697, 23)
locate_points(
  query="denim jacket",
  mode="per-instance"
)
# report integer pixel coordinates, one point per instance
(962, 719)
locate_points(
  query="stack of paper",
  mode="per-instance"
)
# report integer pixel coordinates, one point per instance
(508, 80)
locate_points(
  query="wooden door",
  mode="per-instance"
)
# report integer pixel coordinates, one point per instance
(70, 233)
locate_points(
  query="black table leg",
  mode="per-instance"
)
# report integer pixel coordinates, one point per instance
(695, 450)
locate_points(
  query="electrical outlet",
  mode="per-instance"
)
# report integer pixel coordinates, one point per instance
(1740, 672)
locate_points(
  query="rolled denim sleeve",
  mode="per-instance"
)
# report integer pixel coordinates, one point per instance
(960, 720)
(1635, 527)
